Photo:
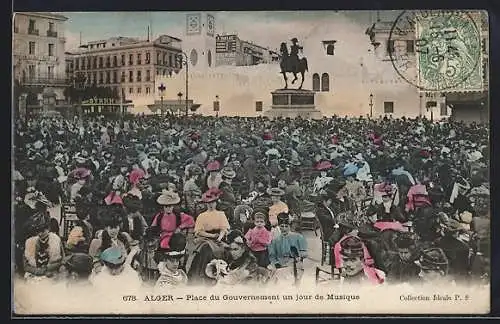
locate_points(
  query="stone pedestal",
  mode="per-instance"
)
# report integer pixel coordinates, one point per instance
(293, 103)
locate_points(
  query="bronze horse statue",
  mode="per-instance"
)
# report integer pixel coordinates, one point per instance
(292, 65)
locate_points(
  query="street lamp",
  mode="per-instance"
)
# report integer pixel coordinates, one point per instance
(420, 105)
(179, 95)
(183, 58)
(371, 105)
(161, 88)
(218, 105)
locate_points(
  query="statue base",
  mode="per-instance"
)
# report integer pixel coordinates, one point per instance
(293, 103)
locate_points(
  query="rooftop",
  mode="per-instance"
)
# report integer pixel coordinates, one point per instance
(48, 15)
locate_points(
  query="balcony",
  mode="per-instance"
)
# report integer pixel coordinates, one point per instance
(33, 32)
(45, 82)
(51, 33)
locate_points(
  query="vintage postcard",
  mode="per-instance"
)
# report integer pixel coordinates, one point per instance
(295, 162)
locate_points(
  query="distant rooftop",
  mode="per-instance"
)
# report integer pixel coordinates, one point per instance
(49, 15)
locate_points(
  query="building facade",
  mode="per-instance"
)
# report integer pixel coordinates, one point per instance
(39, 64)
(126, 65)
(231, 50)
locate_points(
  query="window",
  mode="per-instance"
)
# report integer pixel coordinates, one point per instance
(101, 78)
(94, 78)
(123, 60)
(325, 82)
(390, 46)
(115, 61)
(108, 61)
(170, 60)
(50, 72)
(410, 46)
(130, 90)
(148, 90)
(32, 27)
(89, 63)
(123, 76)
(139, 90)
(148, 58)
(94, 64)
(82, 67)
(31, 71)
(51, 50)
(388, 107)
(32, 48)
(114, 77)
(51, 27)
(139, 59)
(158, 58)
(330, 49)
(77, 64)
(157, 71)
(316, 83)
(164, 72)
(130, 59)
(100, 62)
(130, 76)
(139, 76)
(443, 109)
(108, 77)
(148, 75)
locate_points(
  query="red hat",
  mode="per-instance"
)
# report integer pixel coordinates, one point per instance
(195, 136)
(213, 166)
(323, 165)
(424, 153)
(113, 199)
(136, 175)
(81, 173)
(267, 136)
(211, 195)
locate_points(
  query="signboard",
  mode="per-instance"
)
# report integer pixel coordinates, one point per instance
(258, 106)
(103, 102)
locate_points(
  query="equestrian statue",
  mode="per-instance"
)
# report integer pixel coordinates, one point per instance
(290, 63)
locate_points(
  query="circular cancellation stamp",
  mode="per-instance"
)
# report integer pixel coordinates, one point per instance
(446, 53)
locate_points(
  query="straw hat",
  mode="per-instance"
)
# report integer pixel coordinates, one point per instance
(228, 172)
(275, 192)
(168, 198)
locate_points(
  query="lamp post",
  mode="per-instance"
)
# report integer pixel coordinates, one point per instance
(420, 105)
(183, 58)
(161, 88)
(179, 95)
(218, 105)
(371, 105)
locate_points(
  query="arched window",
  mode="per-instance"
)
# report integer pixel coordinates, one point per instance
(316, 83)
(325, 82)
(330, 49)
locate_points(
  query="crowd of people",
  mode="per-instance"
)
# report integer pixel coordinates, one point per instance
(171, 201)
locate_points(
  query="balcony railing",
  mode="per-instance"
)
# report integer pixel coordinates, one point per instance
(51, 33)
(45, 81)
(33, 32)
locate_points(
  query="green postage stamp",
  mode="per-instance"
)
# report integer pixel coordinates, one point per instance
(449, 51)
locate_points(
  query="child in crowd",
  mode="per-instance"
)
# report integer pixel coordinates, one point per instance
(258, 239)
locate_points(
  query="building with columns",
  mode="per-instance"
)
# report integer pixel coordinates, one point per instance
(39, 63)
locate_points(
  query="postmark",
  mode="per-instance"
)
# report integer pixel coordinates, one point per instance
(446, 53)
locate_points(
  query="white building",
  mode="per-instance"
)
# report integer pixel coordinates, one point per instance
(38, 53)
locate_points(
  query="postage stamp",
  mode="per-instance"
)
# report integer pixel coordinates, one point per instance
(447, 48)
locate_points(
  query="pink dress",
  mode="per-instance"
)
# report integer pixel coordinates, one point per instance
(258, 239)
